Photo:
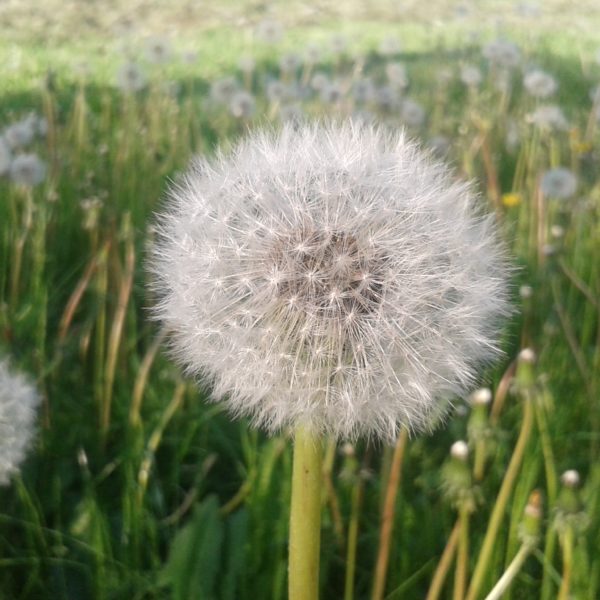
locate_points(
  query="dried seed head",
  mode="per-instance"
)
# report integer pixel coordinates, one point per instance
(330, 275)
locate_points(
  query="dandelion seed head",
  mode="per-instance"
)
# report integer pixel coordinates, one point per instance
(20, 134)
(412, 113)
(366, 299)
(558, 183)
(131, 78)
(18, 406)
(27, 170)
(470, 75)
(158, 50)
(549, 117)
(242, 105)
(540, 84)
(397, 75)
(502, 53)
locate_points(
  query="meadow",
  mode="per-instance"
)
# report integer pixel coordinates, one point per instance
(136, 487)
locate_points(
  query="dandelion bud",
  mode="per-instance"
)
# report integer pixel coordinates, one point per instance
(459, 450)
(457, 480)
(529, 530)
(525, 291)
(330, 276)
(570, 510)
(570, 478)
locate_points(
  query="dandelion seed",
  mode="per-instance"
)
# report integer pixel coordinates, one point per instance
(558, 183)
(389, 290)
(18, 406)
(27, 170)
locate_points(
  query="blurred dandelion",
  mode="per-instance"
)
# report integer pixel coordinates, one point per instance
(131, 78)
(27, 170)
(558, 183)
(18, 405)
(540, 84)
(158, 51)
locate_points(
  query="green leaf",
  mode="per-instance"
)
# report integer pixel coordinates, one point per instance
(195, 554)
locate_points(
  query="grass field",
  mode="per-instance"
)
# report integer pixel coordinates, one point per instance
(135, 487)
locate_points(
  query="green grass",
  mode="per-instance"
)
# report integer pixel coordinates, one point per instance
(174, 500)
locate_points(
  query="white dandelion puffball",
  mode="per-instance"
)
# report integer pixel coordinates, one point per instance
(27, 170)
(131, 78)
(540, 84)
(18, 406)
(330, 276)
(559, 183)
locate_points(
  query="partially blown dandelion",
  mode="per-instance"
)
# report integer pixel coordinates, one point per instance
(18, 405)
(331, 277)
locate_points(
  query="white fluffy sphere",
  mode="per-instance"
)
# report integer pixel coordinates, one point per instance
(18, 407)
(332, 276)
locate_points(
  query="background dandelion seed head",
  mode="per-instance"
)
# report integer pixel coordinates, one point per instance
(330, 275)
(18, 405)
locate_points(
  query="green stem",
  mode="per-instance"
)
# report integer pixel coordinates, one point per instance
(510, 573)
(305, 517)
(567, 551)
(357, 492)
(481, 568)
(462, 559)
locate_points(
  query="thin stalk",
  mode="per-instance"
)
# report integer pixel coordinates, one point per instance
(462, 560)
(437, 581)
(567, 552)
(387, 517)
(305, 517)
(357, 494)
(508, 482)
(511, 572)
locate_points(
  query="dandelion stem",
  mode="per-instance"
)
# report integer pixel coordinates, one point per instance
(443, 567)
(510, 573)
(305, 518)
(462, 560)
(357, 494)
(567, 551)
(481, 566)
(387, 517)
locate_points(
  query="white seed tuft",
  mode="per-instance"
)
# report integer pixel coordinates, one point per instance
(18, 405)
(361, 287)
